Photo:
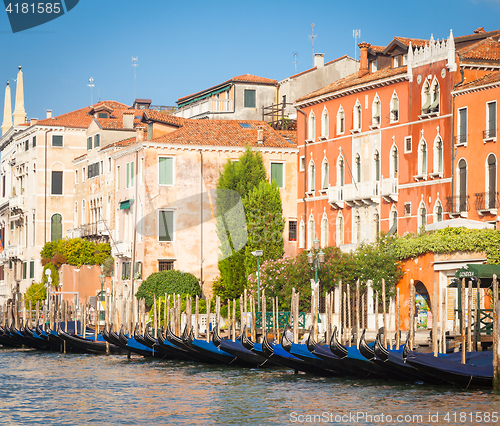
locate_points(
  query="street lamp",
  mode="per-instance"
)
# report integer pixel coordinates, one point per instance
(48, 273)
(316, 258)
(258, 254)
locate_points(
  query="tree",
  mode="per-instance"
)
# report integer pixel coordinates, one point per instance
(168, 282)
(36, 292)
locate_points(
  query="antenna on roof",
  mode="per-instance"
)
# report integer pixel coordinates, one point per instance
(312, 37)
(91, 85)
(135, 64)
(295, 61)
(356, 34)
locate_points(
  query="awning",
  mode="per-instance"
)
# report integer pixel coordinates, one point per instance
(474, 272)
(125, 204)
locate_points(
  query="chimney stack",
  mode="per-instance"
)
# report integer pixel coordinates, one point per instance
(139, 134)
(319, 60)
(363, 58)
(7, 111)
(33, 121)
(260, 136)
(49, 113)
(128, 120)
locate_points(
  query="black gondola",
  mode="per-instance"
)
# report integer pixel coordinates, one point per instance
(91, 346)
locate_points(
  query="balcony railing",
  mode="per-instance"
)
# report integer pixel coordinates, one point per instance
(458, 204)
(460, 139)
(207, 105)
(389, 189)
(489, 134)
(364, 192)
(16, 202)
(486, 201)
(14, 251)
(94, 229)
(336, 196)
(122, 249)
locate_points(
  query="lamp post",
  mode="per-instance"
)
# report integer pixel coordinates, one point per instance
(258, 254)
(315, 258)
(101, 277)
(48, 273)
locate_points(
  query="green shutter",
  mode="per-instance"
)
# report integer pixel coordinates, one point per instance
(150, 131)
(89, 142)
(97, 140)
(24, 270)
(249, 99)
(32, 269)
(127, 183)
(166, 172)
(166, 225)
(132, 169)
(57, 140)
(277, 174)
(56, 228)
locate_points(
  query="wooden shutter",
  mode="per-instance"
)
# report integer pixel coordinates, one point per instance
(166, 225)
(277, 174)
(166, 171)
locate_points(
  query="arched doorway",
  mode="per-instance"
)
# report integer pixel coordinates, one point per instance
(422, 305)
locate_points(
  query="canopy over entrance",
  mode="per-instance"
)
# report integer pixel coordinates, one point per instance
(474, 272)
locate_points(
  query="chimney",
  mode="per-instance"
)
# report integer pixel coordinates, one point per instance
(363, 58)
(139, 134)
(128, 120)
(49, 113)
(33, 121)
(7, 111)
(19, 113)
(319, 60)
(260, 136)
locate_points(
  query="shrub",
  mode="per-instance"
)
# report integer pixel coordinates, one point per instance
(35, 292)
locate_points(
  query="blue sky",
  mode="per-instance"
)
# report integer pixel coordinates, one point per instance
(184, 47)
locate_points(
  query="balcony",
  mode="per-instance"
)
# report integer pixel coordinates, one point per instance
(206, 106)
(461, 140)
(362, 193)
(16, 202)
(490, 135)
(14, 251)
(486, 202)
(122, 249)
(96, 229)
(375, 122)
(458, 205)
(389, 189)
(336, 196)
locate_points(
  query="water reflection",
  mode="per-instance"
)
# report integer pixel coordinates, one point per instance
(53, 388)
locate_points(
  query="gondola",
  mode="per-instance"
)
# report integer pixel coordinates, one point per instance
(238, 350)
(353, 359)
(190, 351)
(92, 346)
(301, 351)
(6, 339)
(32, 340)
(476, 372)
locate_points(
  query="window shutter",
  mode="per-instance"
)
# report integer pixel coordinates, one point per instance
(166, 225)
(166, 170)
(127, 182)
(57, 181)
(277, 174)
(56, 228)
(57, 140)
(89, 143)
(492, 118)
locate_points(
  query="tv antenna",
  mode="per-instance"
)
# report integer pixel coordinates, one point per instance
(312, 37)
(356, 34)
(135, 64)
(295, 61)
(91, 85)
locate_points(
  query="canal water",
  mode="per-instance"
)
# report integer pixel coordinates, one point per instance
(56, 389)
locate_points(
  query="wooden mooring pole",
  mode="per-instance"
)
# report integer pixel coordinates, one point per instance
(496, 349)
(412, 314)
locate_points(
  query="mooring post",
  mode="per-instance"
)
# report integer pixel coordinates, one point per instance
(398, 320)
(412, 314)
(384, 313)
(264, 313)
(470, 308)
(207, 337)
(496, 352)
(435, 311)
(443, 322)
(462, 320)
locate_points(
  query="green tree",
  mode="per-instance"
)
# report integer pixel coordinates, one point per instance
(36, 292)
(168, 282)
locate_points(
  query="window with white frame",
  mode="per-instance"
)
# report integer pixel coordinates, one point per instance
(165, 225)
(324, 174)
(339, 225)
(438, 155)
(356, 126)
(277, 174)
(357, 161)
(302, 235)
(312, 176)
(426, 97)
(311, 132)
(491, 121)
(376, 225)
(324, 231)
(130, 170)
(462, 126)
(57, 140)
(302, 163)
(340, 171)
(491, 183)
(376, 161)
(438, 211)
(324, 124)
(434, 108)
(393, 220)
(376, 111)
(340, 120)
(76, 177)
(394, 163)
(166, 170)
(408, 145)
(422, 158)
(394, 108)
(357, 227)
(422, 216)
(310, 232)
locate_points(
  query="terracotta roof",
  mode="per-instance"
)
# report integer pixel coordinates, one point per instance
(245, 78)
(120, 144)
(491, 78)
(377, 48)
(115, 122)
(163, 117)
(225, 133)
(479, 35)
(414, 41)
(353, 80)
(487, 49)
(289, 134)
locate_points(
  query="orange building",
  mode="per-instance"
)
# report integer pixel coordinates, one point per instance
(408, 140)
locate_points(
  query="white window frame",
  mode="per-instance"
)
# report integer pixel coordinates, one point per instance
(340, 121)
(422, 163)
(323, 164)
(311, 231)
(376, 119)
(324, 230)
(460, 140)
(491, 138)
(357, 117)
(394, 173)
(302, 234)
(311, 176)
(172, 236)
(340, 229)
(325, 124)
(408, 138)
(394, 99)
(173, 170)
(311, 127)
(437, 172)
(302, 163)
(420, 223)
(282, 172)
(434, 211)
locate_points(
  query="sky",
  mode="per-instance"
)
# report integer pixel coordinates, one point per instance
(185, 47)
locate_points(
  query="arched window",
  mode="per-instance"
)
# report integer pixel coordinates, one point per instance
(376, 159)
(491, 192)
(324, 231)
(310, 232)
(56, 227)
(422, 216)
(312, 127)
(438, 155)
(324, 124)
(394, 221)
(302, 235)
(376, 111)
(340, 120)
(357, 225)
(394, 162)
(324, 174)
(426, 97)
(438, 211)
(312, 176)
(357, 117)
(422, 158)
(340, 229)
(358, 167)
(340, 171)
(462, 185)
(434, 97)
(376, 225)
(84, 213)
(394, 107)
(75, 215)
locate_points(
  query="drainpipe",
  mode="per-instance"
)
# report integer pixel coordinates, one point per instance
(454, 150)
(305, 177)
